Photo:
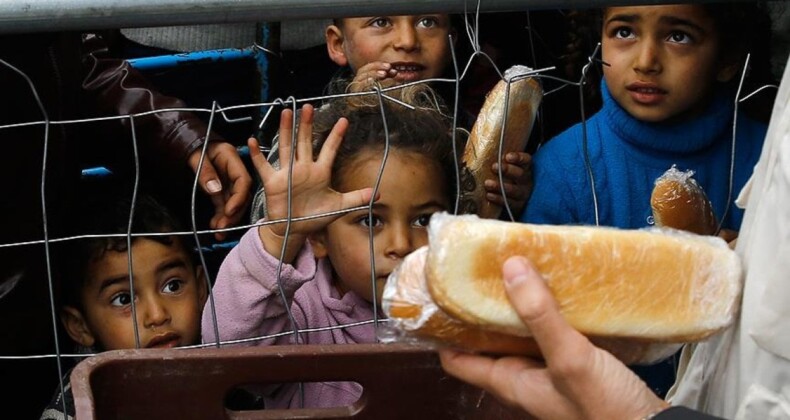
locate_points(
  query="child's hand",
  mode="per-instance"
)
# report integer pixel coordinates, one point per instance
(310, 181)
(370, 73)
(517, 175)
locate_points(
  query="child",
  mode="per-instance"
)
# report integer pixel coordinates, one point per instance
(326, 268)
(96, 307)
(667, 100)
(401, 49)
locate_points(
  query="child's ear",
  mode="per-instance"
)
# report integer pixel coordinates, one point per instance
(318, 242)
(334, 45)
(76, 327)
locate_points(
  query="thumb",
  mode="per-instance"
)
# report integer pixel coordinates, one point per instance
(533, 301)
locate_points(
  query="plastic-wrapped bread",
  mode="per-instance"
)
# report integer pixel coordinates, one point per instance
(482, 149)
(678, 202)
(638, 294)
(411, 310)
(651, 285)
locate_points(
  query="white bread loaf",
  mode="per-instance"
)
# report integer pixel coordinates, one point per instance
(482, 149)
(678, 202)
(649, 285)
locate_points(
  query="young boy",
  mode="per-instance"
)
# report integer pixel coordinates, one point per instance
(96, 298)
(402, 48)
(667, 100)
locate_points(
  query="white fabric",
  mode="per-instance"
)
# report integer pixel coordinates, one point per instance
(744, 373)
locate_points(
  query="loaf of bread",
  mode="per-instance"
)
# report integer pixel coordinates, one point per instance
(482, 150)
(638, 294)
(678, 202)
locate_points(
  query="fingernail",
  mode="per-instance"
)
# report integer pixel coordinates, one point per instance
(385, 65)
(489, 183)
(381, 73)
(213, 186)
(515, 271)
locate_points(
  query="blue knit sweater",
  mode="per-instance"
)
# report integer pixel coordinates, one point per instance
(627, 155)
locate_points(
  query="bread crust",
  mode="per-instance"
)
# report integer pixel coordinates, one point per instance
(482, 149)
(678, 202)
(655, 286)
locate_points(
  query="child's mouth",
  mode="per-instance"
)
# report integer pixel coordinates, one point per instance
(407, 71)
(646, 95)
(164, 341)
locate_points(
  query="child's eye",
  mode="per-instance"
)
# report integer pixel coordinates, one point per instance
(365, 221)
(623, 32)
(422, 220)
(173, 286)
(679, 38)
(121, 299)
(380, 22)
(428, 22)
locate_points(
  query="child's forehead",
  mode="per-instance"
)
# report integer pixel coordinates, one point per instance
(147, 255)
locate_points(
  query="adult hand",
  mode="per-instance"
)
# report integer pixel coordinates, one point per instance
(576, 380)
(517, 176)
(225, 179)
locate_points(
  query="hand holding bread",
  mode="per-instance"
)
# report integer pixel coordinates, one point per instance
(508, 114)
(639, 294)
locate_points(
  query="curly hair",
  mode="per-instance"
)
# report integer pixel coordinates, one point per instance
(426, 130)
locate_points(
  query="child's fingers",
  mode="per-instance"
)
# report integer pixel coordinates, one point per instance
(329, 150)
(262, 165)
(304, 145)
(285, 134)
(512, 191)
(357, 198)
(510, 171)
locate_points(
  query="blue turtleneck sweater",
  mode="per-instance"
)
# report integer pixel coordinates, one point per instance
(627, 155)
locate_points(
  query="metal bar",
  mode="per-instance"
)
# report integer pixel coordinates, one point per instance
(169, 61)
(25, 16)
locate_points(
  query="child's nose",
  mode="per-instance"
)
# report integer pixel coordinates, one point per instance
(648, 58)
(400, 242)
(154, 313)
(406, 38)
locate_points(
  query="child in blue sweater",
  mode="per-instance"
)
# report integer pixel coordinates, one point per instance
(668, 100)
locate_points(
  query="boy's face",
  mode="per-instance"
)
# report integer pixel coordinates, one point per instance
(169, 296)
(417, 47)
(411, 190)
(662, 60)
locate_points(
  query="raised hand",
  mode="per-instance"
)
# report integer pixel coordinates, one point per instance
(311, 191)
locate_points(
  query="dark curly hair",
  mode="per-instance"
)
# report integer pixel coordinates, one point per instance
(110, 216)
(427, 129)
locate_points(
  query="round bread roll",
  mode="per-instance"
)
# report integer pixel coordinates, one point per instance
(678, 202)
(482, 149)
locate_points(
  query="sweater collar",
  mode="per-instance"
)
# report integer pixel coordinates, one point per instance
(683, 137)
(331, 297)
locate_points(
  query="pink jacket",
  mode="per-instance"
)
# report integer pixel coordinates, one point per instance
(248, 304)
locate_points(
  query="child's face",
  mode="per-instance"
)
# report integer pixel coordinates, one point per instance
(416, 46)
(412, 189)
(662, 60)
(169, 294)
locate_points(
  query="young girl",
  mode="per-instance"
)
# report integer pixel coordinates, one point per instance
(667, 100)
(326, 265)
